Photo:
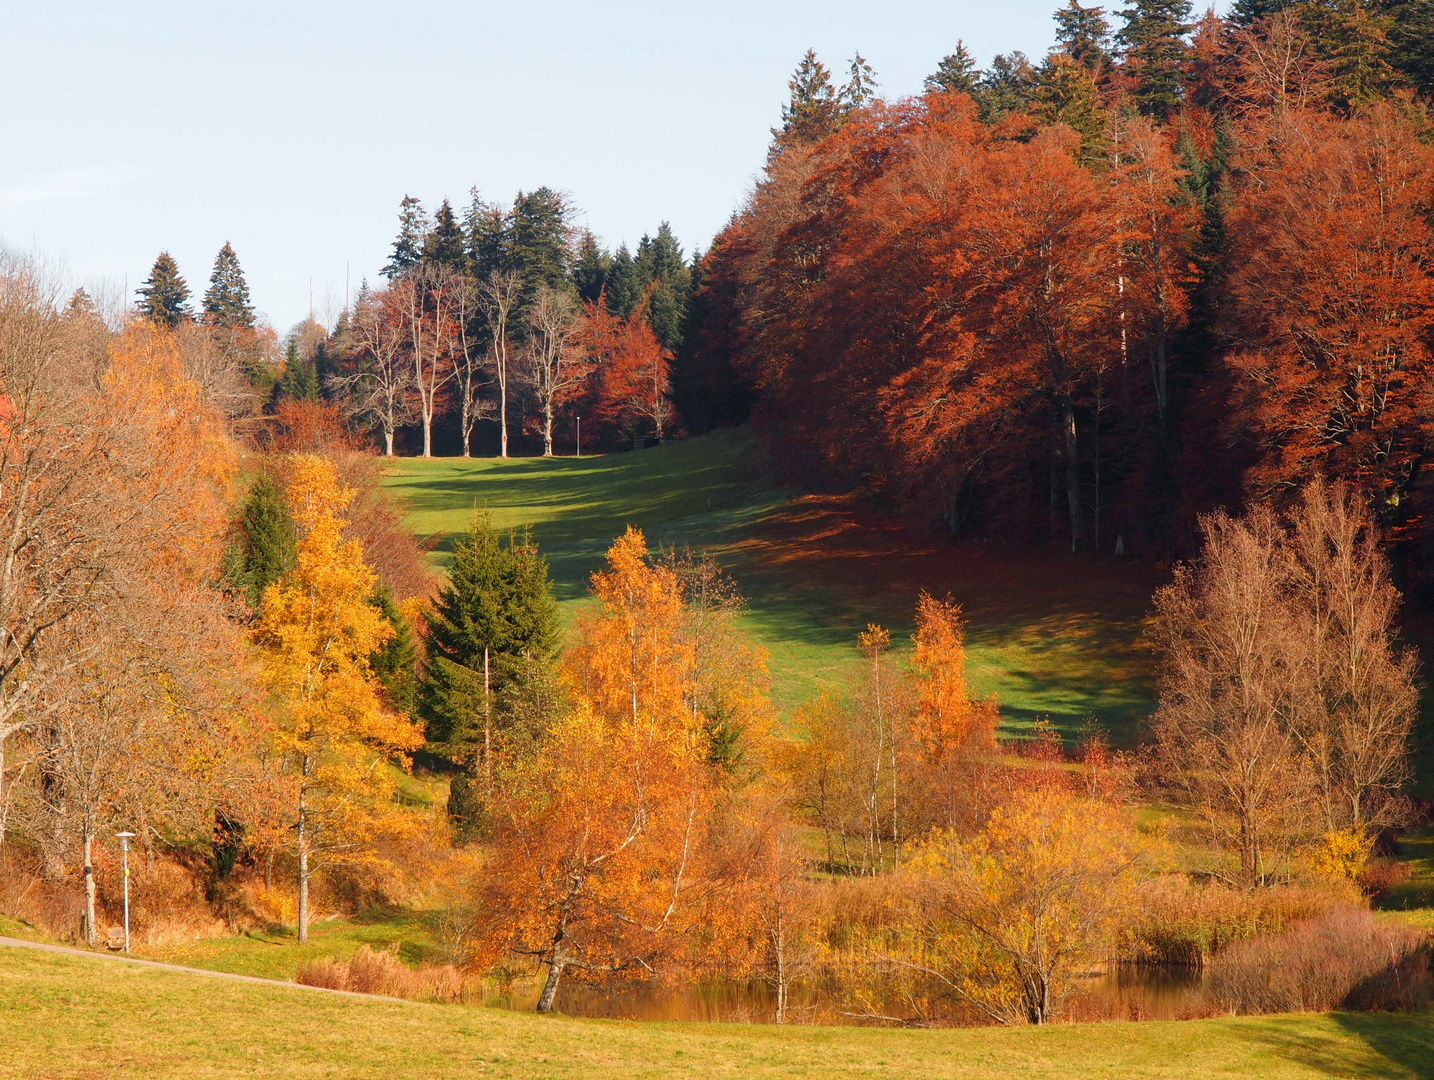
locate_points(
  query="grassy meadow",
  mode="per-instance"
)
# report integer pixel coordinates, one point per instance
(61, 1017)
(1050, 636)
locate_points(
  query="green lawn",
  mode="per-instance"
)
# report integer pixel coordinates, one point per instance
(1050, 635)
(62, 1017)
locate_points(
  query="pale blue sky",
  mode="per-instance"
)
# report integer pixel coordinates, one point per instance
(293, 129)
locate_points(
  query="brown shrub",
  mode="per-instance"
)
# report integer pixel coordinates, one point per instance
(1179, 921)
(370, 972)
(1380, 877)
(1345, 959)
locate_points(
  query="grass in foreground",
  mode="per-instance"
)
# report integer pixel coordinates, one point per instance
(1049, 634)
(63, 1017)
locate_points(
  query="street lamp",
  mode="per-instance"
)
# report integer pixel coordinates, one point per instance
(580, 436)
(124, 839)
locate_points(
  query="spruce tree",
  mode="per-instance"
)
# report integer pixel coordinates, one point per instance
(226, 301)
(266, 540)
(444, 245)
(495, 608)
(624, 283)
(164, 296)
(860, 88)
(486, 229)
(539, 242)
(956, 74)
(591, 269)
(1083, 34)
(395, 663)
(1244, 12)
(1066, 93)
(301, 378)
(1156, 52)
(660, 264)
(1411, 42)
(813, 111)
(412, 235)
(1009, 86)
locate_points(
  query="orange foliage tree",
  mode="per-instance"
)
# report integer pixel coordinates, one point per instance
(331, 736)
(601, 862)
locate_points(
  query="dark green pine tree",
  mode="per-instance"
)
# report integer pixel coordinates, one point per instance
(591, 268)
(539, 242)
(1066, 93)
(624, 283)
(813, 111)
(164, 296)
(226, 301)
(1245, 12)
(301, 377)
(660, 264)
(1083, 34)
(395, 663)
(956, 74)
(1008, 87)
(445, 245)
(485, 226)
(860, 88)
(412, 236)
(495, 608)
(1156, 52)
(264, 547)
(1411, 42)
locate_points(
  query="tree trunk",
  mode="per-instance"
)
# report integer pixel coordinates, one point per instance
(90, 934)
(388, 442)
(548, 429)
(503, 421)
(556, 963)
(428, 434)
(1068, 427)
(303, 873)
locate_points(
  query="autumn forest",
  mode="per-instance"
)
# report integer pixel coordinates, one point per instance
(730, 634)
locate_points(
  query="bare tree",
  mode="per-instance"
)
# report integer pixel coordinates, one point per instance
(428, 305)
(1227, 693)
(469, 360)
(380, 387)
(1357, 710)
(55, 495)
(553, 367)
(497, 298)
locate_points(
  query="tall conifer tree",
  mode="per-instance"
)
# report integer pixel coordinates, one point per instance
(226, 301)
(164, 296)
(1154, 40)
(444, 244)
(956, 74)
(1084, 35)
(412, 236)
(813, 111)
(496, 608)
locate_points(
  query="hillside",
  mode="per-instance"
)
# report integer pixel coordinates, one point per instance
(1049, 635)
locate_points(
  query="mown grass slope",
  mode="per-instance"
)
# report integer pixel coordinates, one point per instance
(1050, 635)
(66, 1017)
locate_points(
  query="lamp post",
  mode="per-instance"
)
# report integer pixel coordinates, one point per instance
(580, 436)
(124, 839)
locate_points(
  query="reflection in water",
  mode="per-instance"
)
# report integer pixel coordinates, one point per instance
(1135, 993)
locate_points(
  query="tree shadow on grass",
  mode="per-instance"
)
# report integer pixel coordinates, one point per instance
(1379, 1046)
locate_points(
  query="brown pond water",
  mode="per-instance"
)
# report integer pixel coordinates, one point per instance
(1144, 993)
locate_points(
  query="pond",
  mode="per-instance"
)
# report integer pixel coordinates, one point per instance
(1122, 993)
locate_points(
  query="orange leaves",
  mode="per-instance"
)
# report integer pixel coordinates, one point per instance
(634, 660)
(1332, 300)
(947, 720)
(632, 382)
